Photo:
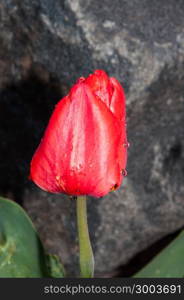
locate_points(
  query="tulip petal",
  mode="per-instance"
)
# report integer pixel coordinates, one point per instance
(117, 104)
(44, 162)
(118, 107)
(100, 85)
(79, 153)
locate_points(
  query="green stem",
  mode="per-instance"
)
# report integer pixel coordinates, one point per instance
(85, 249)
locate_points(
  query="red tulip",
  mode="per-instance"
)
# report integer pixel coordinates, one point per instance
(84, 148)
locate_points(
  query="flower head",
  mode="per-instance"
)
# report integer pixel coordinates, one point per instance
(84, 148)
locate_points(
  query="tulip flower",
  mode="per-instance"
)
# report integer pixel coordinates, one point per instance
(84, 148)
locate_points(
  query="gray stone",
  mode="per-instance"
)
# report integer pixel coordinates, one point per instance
(45, 46)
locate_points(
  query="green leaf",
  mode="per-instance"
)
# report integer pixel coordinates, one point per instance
(168, 263)
(55, 268)
(21, 251)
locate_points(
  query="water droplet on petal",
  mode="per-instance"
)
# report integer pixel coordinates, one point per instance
(114, 187)
(126, 145)
(81, 79)
(72, 171)
(124, 172)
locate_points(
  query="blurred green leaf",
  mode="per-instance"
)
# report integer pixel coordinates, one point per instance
(168, 263)
(21, 251)
(55, 268)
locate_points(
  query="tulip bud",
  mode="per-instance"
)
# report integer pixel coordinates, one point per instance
(84, 148)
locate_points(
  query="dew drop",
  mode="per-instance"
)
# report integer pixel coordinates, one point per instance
(72, 171)
(126, 145)
(124, 172)
(81, 79)
(114, 187)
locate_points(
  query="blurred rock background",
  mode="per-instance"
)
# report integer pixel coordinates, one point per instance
(44, 47)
